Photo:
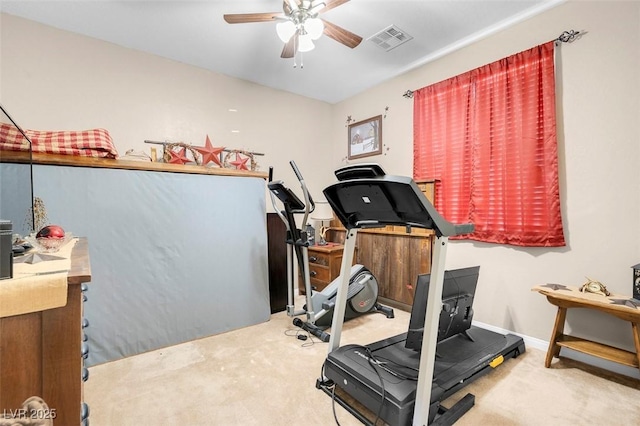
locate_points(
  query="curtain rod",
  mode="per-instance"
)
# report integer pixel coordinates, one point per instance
(566, 37)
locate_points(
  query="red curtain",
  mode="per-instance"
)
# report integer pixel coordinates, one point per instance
(489, 137)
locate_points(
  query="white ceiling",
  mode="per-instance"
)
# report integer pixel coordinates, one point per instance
(195, 33)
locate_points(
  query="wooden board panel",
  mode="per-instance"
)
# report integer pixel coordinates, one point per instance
(277, 261)
(61, 337)
(20, 355)
(395, 261)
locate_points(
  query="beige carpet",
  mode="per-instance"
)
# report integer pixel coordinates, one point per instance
(262, 376)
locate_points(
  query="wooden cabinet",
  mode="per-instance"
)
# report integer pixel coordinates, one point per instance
(395, 257)
(277, 259)
(324, 266)
(41, 353)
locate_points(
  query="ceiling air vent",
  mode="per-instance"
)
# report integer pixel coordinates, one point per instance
(390, 38)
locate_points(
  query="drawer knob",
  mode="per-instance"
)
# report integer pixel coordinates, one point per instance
(313, 259)
(84, 351)
(313, 273)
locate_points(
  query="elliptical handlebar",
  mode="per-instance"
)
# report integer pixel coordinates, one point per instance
(296, 170)
(309, 205)
(291, 203)
(273, 199)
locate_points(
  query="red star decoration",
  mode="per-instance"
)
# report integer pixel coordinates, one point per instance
(179, 157)
(209, 152)
(240, 163)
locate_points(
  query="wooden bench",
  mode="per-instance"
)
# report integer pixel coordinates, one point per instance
(623, 307)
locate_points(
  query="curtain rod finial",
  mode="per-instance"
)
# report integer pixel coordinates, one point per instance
(570, 36)
(408, 94)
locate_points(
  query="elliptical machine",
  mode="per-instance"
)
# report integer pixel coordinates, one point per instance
(363, 287)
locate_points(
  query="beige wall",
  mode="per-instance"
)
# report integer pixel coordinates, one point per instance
(77, 82)
(599, 145)
(56, 80)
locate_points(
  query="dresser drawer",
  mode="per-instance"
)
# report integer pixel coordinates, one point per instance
(319, 272)
(324, 266)
(322, 259)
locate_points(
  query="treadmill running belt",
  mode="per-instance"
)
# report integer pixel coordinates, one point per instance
(459, 361)
(456, 358)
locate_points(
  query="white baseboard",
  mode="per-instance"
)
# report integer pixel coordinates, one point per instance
(532, 342)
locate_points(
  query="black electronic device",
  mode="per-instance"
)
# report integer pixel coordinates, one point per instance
(636, 281)
(458, 290)
(6, 253)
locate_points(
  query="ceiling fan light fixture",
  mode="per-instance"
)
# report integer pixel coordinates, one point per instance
(314, 27)
(305, 44)
(286, 30)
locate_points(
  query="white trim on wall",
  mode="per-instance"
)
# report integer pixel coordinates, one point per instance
(542, 345)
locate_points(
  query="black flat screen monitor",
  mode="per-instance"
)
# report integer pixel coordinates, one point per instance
(458, 290)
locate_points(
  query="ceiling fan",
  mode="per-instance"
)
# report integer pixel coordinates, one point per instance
(300, 24)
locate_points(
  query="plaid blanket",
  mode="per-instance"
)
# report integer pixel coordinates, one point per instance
(87, 143)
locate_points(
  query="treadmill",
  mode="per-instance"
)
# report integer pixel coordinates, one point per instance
(390, 377)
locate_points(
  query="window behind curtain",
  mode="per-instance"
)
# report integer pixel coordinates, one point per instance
(489, 137)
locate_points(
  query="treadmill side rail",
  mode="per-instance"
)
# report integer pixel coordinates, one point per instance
(429, 341)
(343, 289)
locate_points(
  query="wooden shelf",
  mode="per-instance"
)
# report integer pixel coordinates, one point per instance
(600, 350)
(108, 163)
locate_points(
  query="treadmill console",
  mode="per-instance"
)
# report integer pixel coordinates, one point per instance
(359, 171)
(458, 290)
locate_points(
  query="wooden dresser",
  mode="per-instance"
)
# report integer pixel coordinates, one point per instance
(394, 256)
(42, 353)
(324, 266)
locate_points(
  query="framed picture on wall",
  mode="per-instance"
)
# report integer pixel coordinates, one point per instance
(365, 138)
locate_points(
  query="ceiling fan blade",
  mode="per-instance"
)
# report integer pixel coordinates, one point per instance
(330, 4)
(341, 35)
(289, 48)
(242, 18)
